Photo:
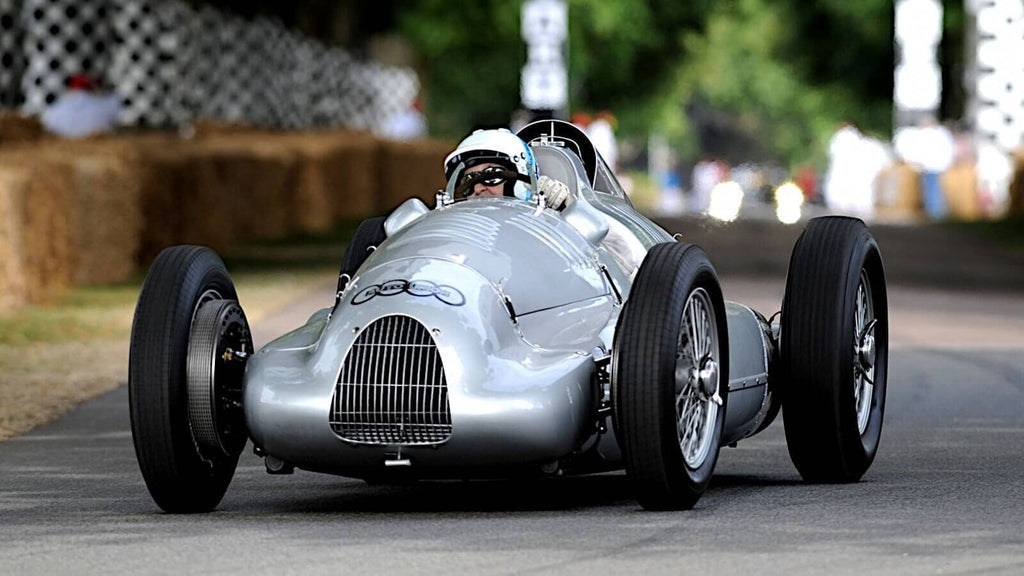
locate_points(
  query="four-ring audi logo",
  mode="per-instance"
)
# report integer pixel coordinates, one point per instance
(419, 288)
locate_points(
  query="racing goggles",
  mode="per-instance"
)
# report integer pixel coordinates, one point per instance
(500, 176)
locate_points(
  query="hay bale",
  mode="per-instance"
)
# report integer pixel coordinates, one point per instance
(408, 169)
(17, 129)
(898, 193)
(107, 218)
(158, 172)
(13, 181)
(46, 243)
(960, 187)
(205, 207)
(352, 175)
(243, 191)
(336, 178)
(314, 198)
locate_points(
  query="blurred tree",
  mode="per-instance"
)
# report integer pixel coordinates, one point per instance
(847, 44)
(782, 72)
(767, 63)
(622, 57)
(787, 71)
(471, 55)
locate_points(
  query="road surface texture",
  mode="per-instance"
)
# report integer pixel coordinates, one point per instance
(944, 496)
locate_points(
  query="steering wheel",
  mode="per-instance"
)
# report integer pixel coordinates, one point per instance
(465, 188)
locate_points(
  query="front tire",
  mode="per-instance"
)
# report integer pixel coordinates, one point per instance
(181, 475)
(670, 374)
(834, 350)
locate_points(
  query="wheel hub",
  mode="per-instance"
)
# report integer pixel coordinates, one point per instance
(707, 378)
(866, 348)
(219, 344)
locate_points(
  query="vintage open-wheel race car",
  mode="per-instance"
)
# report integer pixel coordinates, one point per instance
(499, 337)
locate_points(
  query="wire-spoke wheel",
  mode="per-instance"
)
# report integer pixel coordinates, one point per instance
(864, 352)
(697, 397)
(669, 373)
(834, 350)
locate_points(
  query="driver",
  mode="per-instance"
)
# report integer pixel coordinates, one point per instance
(500, 151)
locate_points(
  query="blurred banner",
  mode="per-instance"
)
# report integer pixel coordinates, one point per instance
(545, 80)
(171, 64)
(917, 81)
(996, 80)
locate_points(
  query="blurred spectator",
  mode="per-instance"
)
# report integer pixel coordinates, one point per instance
(842, 167)
(602, 134)
(960, 181)
(1015, 204)
(83, 110)
(670, 199)
(408, 124)
(520, 118)
(807, 179)
(706, 174)
(855, 162)
(581, 120)
(929, 148)
(995, 175)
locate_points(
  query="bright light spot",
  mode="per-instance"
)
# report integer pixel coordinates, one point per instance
(918, 86)
(726, 199)
(918, 22)
(788, 200)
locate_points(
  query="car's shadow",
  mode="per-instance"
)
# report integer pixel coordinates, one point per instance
(325, 494)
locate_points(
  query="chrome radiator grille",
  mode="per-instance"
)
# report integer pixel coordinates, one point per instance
(392, 388)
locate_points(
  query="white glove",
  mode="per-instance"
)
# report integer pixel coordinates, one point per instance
(556, 194)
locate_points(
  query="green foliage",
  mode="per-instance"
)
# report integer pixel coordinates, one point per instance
(740, 64)
(471, 54)
(786, 71)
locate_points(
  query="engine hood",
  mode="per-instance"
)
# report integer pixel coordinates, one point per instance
(538, 261)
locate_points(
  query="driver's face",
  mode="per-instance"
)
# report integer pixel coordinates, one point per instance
(482, 189)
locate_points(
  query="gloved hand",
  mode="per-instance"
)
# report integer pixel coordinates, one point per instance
(556, 194)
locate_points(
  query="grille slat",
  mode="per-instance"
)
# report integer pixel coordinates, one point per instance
(392, 387)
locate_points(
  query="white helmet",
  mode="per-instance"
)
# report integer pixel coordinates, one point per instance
(501, 147)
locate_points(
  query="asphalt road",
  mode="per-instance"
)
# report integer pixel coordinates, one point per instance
(944, 496)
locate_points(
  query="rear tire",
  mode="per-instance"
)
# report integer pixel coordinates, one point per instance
(670, 375)
(180, 476)
(834, 350)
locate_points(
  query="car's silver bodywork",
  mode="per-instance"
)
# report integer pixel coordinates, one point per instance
(474, 341)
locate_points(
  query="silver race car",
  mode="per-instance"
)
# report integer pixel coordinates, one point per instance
(499, 337)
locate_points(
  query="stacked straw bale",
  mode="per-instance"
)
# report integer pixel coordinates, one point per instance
(410, 169)
(92, 211)
(960, 187)
(898, 193)
(16, 129)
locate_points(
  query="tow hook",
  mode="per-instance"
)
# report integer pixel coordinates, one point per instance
(394, 458)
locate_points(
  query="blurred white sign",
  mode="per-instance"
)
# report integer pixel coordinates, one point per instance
(544, 86)
(545, 21)
(918, 22)
(918, 86)
(999, 77)
(918, 78)
(545, 82)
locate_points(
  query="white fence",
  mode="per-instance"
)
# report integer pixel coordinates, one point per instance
(171, 64)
